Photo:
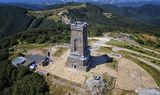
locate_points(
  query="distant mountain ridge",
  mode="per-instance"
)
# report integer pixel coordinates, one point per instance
(137, 4)
(26, 6)
(147, 13)
(51, 2)
(100, 17)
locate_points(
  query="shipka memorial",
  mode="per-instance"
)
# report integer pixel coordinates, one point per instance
(79, 57)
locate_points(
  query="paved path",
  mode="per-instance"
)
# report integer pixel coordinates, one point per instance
(124, 49)
(139, 46)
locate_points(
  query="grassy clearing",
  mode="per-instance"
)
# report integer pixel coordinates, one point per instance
(108, 92)
(148, 40)
(60, 52)
(54, 11)
(119, 44)
(56, 18)
(56, 89)
(110, 80)
(32, 46)
(92, 40)
(157, 62)
(113, 64)
(152, 71)
(119, 92)
(133, 47)
(105, 49)
(114, 34)
(60, 90)
(22, 48)
(152, 48)
(126, 92)
(15, 54)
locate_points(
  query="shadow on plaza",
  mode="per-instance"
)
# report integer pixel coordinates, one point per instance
(101, 59)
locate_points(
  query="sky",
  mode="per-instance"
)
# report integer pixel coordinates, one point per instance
(53, 1)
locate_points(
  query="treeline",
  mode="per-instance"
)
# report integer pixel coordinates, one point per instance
(20, 81)
(149, 43)
(59, 33)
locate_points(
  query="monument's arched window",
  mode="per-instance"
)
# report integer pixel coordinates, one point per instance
(75, 67)
(75, 44)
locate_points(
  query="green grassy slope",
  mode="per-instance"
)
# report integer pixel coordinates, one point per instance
(15, 19)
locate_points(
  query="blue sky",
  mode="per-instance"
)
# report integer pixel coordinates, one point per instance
(43, 1)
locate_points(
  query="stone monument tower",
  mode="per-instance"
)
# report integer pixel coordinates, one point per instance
(79, 57)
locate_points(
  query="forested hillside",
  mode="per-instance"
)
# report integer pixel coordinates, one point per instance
(108, 18)
(13, 19)
(104, 18)
(149, 14)
(46, 26)
(20, 81)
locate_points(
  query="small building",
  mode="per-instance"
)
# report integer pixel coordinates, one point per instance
(44, 62)
(21, 61)
(41, 60)
(36, 57)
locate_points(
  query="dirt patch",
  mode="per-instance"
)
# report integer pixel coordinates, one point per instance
(132, 77)
(58, 69)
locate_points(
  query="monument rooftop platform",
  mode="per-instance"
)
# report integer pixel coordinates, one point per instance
(78, 25)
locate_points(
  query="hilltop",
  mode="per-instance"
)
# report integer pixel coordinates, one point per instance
(128, 34)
